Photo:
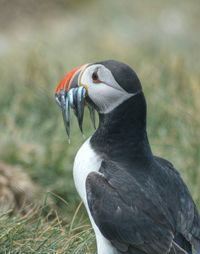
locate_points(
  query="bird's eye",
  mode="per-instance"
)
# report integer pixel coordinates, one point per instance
(95, 77)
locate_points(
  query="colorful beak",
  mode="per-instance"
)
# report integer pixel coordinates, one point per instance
(70, 94)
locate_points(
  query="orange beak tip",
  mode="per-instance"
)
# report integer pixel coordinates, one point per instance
(66, 81)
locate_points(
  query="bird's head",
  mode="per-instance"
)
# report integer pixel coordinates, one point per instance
(102, 86)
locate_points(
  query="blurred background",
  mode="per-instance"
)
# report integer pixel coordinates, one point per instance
(40, 41)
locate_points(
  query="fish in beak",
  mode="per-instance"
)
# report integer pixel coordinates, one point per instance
(70, 94)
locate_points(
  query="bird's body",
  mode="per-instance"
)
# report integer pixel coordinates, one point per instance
(147, 183)
(137, 202)
(87, 161)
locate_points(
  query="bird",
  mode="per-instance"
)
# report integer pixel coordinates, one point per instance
(136, 201)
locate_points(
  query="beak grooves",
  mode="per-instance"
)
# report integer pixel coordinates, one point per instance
(69, 95)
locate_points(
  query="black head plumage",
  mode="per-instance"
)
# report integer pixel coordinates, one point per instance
(124, 75)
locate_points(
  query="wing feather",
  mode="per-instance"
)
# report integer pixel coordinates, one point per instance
(136, 213)
(127, 226)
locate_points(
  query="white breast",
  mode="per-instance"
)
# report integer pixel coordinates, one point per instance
(87, 161)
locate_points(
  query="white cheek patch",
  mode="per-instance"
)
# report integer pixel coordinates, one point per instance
(106, 95)
(86, 76)
(108, 79)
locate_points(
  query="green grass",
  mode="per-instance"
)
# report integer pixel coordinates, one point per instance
(36, 233)
(32, 132)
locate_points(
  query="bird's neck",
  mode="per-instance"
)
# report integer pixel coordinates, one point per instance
(121, 135)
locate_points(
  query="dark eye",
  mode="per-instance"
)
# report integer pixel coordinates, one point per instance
(95, 77)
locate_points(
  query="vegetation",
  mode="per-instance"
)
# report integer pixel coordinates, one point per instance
(159, 41)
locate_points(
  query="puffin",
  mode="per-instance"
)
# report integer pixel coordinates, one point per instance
(136, 201)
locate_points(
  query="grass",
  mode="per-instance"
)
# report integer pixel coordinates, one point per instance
(34, 233)
(32, 132)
